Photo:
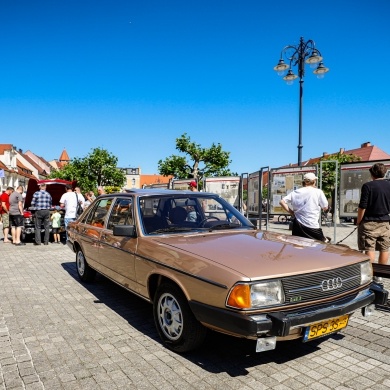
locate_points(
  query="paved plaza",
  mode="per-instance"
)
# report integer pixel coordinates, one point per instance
(57, 333)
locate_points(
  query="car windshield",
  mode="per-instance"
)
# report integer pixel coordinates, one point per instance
(188, 213)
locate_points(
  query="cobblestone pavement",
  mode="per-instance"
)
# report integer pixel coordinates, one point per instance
(57, 333)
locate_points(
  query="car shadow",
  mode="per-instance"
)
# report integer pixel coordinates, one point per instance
(219, 353)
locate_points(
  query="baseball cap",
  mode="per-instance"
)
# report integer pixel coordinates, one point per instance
(310, 176)
(192, 184)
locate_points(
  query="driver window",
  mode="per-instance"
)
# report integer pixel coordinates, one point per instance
(121, 214)
(98, 216)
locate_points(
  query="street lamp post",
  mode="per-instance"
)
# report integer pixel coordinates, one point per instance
(298, 55)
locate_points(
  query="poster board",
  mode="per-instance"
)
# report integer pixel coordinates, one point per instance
(227, 187)
(283, 181)
(352, 177)
(180, 184)
(253, 193)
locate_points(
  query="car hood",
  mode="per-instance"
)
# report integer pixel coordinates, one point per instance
(259, 254)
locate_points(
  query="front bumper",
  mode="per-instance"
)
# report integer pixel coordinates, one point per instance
(279, 323)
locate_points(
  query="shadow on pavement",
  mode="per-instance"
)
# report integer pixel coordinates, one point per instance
(219, 353)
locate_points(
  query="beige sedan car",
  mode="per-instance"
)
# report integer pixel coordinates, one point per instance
(203, 265)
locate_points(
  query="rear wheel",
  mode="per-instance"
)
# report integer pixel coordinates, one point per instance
(85, 272)
(282, 218)
(178, 328)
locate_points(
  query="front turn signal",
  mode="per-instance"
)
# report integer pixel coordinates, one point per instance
(240, 297)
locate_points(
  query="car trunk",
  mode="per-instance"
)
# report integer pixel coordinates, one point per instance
(55, 187)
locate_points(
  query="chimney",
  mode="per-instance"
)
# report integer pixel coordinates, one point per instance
(366, 145)
(324, 154)
(342, 150)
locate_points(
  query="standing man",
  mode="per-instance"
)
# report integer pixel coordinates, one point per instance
(69, 202)
(373, 215)
(305, 205)
(42, 202)
(101, 190)
(4, 207)
(80, 196)
(16, 215)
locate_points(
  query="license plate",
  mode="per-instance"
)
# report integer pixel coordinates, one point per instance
(321, 329)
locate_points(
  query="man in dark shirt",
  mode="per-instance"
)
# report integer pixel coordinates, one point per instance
(373, 215)
(42, 203)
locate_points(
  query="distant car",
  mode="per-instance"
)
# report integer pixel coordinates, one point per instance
(55, 187)
(215, 270)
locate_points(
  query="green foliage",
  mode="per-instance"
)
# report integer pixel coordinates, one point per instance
(99, 168)
(112, 189)
(204, 162)
(264, 193)
(329, 171)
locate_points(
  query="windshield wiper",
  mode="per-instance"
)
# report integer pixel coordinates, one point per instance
(173, 229)
(224, 225)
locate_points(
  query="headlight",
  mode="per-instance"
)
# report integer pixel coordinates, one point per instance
(256, 295)
(366, 272)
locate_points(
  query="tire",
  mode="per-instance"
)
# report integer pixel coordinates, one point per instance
(85, 272)
(282, 219)
(176, 325)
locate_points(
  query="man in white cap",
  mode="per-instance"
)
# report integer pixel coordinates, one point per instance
(305, 205)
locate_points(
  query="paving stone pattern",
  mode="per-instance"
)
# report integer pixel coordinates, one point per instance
(57, 333)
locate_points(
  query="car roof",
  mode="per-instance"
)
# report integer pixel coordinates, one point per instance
(159, 191)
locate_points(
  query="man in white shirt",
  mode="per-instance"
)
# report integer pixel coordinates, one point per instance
(69, 201)
(305, 205)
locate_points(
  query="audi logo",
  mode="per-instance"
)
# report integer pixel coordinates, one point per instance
(331, 284)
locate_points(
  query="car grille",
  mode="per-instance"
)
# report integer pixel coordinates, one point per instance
(320, 285)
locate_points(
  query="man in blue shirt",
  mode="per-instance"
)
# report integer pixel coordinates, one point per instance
(42, 202)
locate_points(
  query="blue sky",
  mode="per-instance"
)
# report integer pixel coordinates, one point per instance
(132, 76)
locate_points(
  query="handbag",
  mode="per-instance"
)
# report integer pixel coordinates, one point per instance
(79, 209)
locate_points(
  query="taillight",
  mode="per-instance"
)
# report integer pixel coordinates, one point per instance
(27, 214)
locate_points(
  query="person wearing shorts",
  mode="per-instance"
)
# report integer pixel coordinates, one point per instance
(16, 215)
(373, 215)
(55, 225)
(4, 211)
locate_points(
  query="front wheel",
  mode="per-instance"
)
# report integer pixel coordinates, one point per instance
(177, 326)
(85, 272)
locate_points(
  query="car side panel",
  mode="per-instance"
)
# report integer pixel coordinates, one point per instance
(88, 237)
(116, 256)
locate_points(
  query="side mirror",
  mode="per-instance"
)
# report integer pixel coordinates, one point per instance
(124, 230)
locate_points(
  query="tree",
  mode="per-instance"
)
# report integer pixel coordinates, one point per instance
(99, 168)
(205, 162)
(329, 171)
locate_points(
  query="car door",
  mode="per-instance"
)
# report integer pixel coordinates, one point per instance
(91, 230)
(117, 254)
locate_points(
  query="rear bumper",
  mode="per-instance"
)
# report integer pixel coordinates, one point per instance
(29, 228)
(279, 323)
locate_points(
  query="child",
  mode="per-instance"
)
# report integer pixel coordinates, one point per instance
(56, 224)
